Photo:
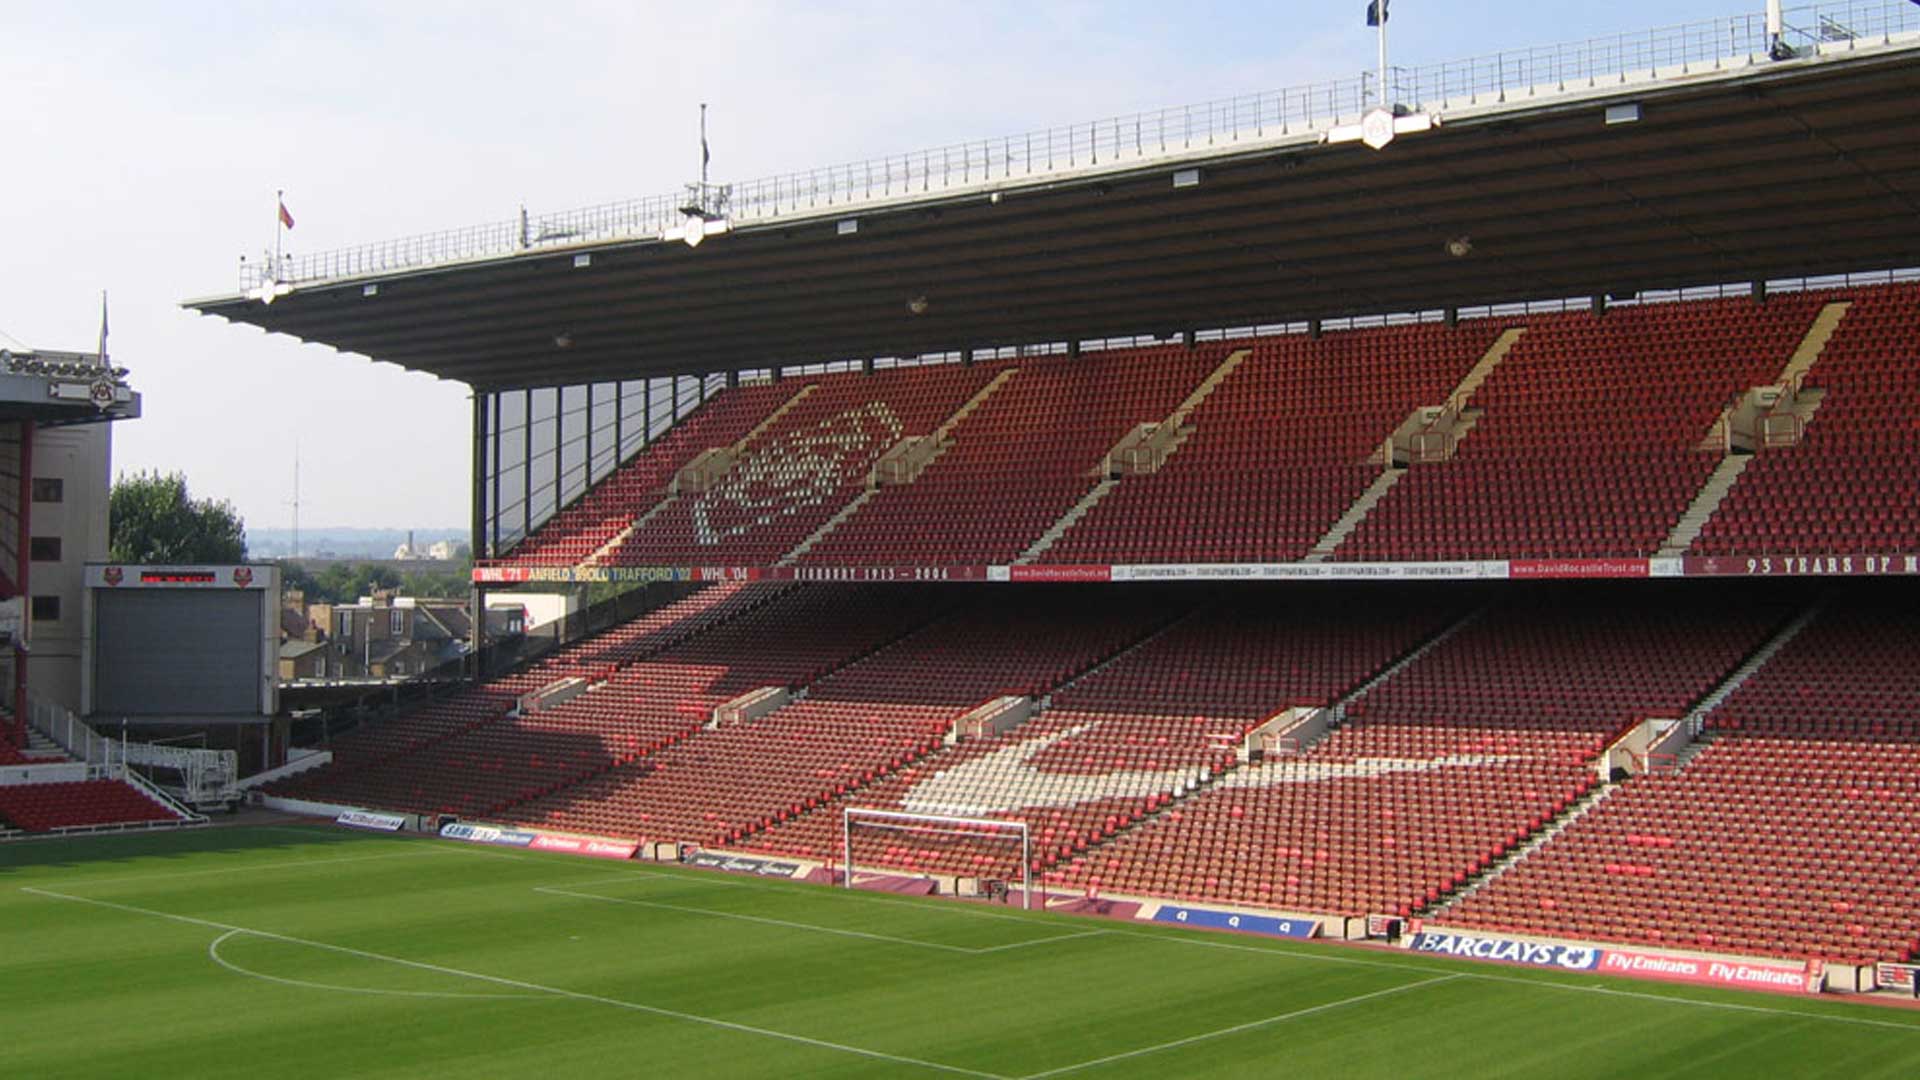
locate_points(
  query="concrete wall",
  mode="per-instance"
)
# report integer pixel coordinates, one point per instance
(80, 457)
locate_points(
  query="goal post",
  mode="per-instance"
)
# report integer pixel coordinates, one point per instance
(955, 832)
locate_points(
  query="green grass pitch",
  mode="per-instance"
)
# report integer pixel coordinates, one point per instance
(267, 951)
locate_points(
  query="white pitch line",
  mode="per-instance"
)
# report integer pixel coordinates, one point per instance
(213, 953)
(1726, 1006)
(1665, 999)
(520, 984)
(760, 919)
(255, 868)
(788, 924)
(1042, 941)
(1248, 1026)
(639, 872)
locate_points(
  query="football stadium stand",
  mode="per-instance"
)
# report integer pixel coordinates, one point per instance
(1113, 496)
(1847, 485)
(854, 725)
(78, 804)
(1440, 769)
(1711, 427)
(1120, 742)
(1787, 832)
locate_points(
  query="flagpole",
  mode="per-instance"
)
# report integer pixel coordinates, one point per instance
(704, 155)
(279, 228)
(1383, 56)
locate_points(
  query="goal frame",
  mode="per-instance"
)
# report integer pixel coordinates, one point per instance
(956, 826)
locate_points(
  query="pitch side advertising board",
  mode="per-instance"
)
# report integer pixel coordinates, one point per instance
(1507, 950)
(365, 819)
(486, 834)
(1234, 920)
(1744, 975)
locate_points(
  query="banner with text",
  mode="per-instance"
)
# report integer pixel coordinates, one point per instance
(1744, 975)
(578, 845)
(365, 819)
(1507, 950)
(485, 834)
(1487, 569)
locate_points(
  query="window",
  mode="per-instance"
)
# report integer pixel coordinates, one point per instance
(46, 609)
(45, 549)
(346, 624)
(397, 622)
(49, 489)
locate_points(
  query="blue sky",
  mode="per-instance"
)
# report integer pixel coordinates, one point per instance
(144, 142)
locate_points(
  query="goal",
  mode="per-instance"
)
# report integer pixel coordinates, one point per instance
(992, 853)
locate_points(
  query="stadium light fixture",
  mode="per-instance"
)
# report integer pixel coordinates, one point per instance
(269, 291)
(846, 227)
(1380, 126)
(1460, 246)
(697, 227)
(918, 305)
(1186, 178)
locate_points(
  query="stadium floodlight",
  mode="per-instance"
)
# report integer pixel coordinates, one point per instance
(270, 290)
(970, 835)
(697, 227)
(1380, 126)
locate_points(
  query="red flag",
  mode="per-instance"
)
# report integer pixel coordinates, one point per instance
(286, 218)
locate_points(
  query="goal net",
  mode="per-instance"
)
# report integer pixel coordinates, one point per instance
(982, 856)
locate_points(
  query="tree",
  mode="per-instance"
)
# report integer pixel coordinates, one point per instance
(153, 519)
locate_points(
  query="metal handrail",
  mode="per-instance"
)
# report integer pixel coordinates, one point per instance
(1728, 43)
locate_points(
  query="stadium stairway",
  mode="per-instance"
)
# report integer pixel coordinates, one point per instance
(902, 465)
(1448, 423)
(1704, 427)
(1437, 772)
(1846, 486)
(851, 727)
(392, 744)
(1125, 742)
(1783, 831)
(647, 708)
(1740, 430)
(1684, 746)
(1278, 452)
(1144, 451)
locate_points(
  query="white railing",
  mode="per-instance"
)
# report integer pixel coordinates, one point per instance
(206, 775)
(165, 798)
(72, 734)
(1730, 43)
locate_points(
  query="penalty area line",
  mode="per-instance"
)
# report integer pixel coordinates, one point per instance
(521, 984)
(213, 953)
(788, 924)
(1248, 1026)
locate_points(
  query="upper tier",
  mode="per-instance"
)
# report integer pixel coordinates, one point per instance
(1721, 427)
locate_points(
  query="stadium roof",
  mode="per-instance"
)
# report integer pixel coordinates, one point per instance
(1733, 169)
